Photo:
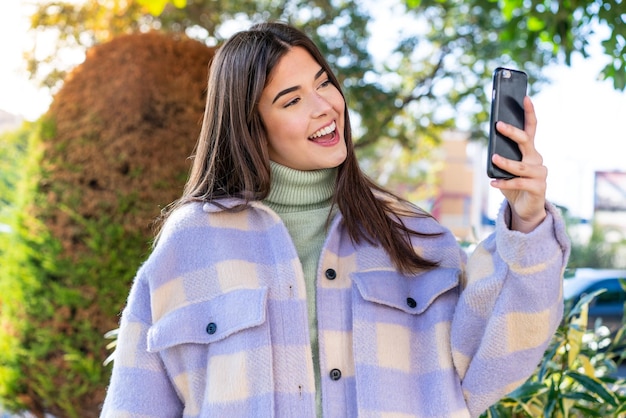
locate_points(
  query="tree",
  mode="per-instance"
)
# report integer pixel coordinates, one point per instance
(544, 31)
(563, 28)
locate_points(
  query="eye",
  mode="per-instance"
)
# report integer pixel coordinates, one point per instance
(292, 102)
(325, 83)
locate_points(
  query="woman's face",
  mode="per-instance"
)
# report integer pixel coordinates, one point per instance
(303, 114)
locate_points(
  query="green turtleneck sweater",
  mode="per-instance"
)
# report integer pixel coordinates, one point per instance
(303, 200)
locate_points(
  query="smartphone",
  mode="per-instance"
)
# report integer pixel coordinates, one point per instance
(507, 105)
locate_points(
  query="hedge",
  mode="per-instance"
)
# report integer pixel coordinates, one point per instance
(109, 154)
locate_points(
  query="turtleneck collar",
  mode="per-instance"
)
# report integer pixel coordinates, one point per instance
(296, 191)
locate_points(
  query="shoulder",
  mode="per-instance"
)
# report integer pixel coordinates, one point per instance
(185, 217)
(225, 213)
(196, 235)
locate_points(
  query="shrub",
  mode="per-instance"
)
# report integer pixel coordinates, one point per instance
(577, 376)
(111, 151)
(12, 149)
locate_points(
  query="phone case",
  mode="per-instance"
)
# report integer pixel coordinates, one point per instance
(507, 105)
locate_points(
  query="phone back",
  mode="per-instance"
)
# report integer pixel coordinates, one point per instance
(507, 105)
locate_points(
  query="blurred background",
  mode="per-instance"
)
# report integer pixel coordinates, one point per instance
(579, 103)
(100, 103)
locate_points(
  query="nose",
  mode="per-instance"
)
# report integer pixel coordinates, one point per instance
(321, 106)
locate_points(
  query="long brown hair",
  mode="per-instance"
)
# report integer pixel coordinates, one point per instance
(231, 157)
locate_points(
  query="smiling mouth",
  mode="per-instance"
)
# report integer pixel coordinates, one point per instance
(322, 133)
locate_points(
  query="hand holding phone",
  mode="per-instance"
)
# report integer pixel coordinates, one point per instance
(507, 105)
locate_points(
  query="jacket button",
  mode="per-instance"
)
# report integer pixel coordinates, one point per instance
(331, 274)
(211, 328)
(335, 374)
(411, 302)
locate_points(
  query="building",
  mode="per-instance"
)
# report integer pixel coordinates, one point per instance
(461, 200)
(610, 203)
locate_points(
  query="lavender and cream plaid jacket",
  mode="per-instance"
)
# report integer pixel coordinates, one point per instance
(216, 322)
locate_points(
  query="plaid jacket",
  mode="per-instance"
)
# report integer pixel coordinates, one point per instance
(216, 322)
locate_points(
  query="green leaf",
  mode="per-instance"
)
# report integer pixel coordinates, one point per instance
(621, 409)
(594, 386)
(584, 301)
(580, 396)
(588, 412)
(551, 402)
(510, 6)
(535, 24)
(527, 390)
(544, 370)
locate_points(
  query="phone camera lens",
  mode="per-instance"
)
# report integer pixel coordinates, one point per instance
(506, 74)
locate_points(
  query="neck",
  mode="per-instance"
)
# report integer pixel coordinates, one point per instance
(297, 191)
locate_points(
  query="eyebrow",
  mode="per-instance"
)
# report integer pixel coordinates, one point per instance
(294, 88)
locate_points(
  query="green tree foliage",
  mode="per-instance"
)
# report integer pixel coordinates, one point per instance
(539, 31)
(597, 252)
(591, 251)
(110, 153)
(564, 28)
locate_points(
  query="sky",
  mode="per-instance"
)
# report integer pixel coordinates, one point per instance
(17, 94)
(580, 129)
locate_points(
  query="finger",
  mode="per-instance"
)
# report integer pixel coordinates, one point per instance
(526, 146)
(530, 118)
(530, 166)
(533, 185)
(524, 138)
(512, 132)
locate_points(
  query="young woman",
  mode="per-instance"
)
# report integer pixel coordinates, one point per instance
(284, 283)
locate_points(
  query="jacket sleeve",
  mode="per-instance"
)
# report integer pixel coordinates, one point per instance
(139, 385)
(509, 308)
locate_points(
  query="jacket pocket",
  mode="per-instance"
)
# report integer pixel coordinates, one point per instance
(410, 294)
(209, 321)
(401, 337)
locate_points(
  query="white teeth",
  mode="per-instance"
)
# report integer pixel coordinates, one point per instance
(324, 131)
